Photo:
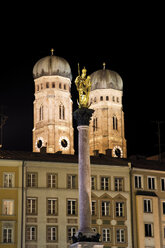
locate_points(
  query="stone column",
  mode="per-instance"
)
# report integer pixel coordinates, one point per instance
(85, 237)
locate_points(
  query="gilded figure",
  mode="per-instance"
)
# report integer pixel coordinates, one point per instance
(83, 85)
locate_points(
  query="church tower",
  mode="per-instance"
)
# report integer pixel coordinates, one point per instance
(53, 127)
(106, 132)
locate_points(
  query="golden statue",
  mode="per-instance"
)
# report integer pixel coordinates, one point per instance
(83, 85)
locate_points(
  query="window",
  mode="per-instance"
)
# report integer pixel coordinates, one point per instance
(107, 98)
(119, 209)
(151, 183)
(164, 232)
(105, 208)
(148, 230)
(101, 98)
(71, 207)
(47, 85)
(115, 123)
(41, 113)
(138, 182)
(163, 207)
(59, 85)
(117, 99)
(61, 112)
(93, 207)
(163, 184)
(37, 87)
(51, 206)
(64, 86)
(51, 233)
(53, 85)
(105, 183)
(120, 235)
(106, 235)
(31, 233)
(147, 205)
(8, 180)
(7, 235)
(71, 232)
(31, 206)
(42, 87)
(52, 180)
(113, 99)
(95, 124)
(95, 99)
(93, 182)
(119, 184)
(71, 181)
(8, 207)
(31, 179)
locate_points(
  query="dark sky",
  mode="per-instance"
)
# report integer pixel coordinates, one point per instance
(129, 38)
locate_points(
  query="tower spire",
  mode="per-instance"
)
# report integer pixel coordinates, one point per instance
(52, 51)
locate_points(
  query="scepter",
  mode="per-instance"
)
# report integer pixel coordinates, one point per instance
(78, 69)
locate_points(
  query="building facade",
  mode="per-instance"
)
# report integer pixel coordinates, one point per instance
(49, 203)
(148, 204)
(10, 203)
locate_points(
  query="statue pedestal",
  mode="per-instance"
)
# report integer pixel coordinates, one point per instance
(87, 245)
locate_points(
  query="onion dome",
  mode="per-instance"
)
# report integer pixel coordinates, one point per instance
(106, 79)
(52, 65)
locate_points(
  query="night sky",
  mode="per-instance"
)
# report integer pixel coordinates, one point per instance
(129, 38)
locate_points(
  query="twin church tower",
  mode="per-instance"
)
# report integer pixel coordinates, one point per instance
(53, 112)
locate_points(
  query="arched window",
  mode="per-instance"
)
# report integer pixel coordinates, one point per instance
(95, 124)
(53, 85)
(41, 113)
(61, 112)
(115, 124)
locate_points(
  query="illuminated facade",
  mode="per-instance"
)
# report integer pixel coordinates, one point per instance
(10, 203)
(106, 133)
(53, 127)
(148, 204)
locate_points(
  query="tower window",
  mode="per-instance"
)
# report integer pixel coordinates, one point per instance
(53, 85)
(37, 87)
(59, 85)
(95, 99)
(117, 99)
(95, 126)
(64, 86)
(113, 99)
(41, 114)
(47, 85)
(101, 98)
(61, 112)
(41, 86)
(107, 98)
(115, 124)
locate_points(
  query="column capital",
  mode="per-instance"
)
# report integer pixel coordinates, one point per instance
(83, 116)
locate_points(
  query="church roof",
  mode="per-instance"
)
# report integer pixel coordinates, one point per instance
(106, 79)
(52, 65)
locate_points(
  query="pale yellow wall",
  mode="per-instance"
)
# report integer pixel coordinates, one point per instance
(11, 194)
(62, 193)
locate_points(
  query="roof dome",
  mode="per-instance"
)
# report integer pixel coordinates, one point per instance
(52, 65)
(106, 79)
